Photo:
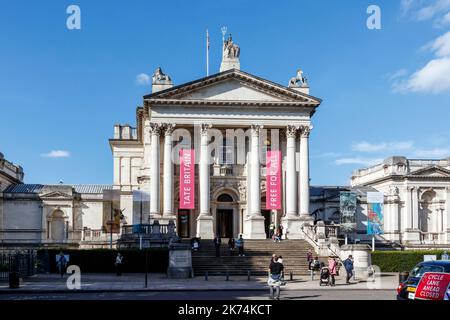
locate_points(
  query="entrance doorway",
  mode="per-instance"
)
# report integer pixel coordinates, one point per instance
(183, 223)
(267, 219)
(225, 223)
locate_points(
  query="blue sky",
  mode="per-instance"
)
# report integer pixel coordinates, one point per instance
(385, 92)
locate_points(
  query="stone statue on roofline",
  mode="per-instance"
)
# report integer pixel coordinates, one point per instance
(159, 76)
(230, 49)
(299, 81)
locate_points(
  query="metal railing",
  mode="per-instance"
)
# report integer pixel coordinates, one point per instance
(22, 262)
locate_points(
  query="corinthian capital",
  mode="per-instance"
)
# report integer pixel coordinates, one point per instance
(204, 128)
(155, 128)
(291, 131)
(168, 128)
(305, 131)
(256, 128)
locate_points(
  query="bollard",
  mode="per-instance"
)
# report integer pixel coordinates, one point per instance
(248, 275)
(206, 276)
(312, 275)
(291, 276)
(227, 276)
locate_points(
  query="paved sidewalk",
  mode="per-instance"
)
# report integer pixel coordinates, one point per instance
(159, 282)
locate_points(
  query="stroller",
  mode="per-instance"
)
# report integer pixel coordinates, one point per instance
(324, 276)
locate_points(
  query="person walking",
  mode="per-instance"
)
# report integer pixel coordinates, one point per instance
(280, 228)
(309, 259)
(231, 245)
(217, 243)
(240, 246)
(348, 265)
(271, 230)
(332, 267)
(61, 264)
(275, 278)
(118, 264)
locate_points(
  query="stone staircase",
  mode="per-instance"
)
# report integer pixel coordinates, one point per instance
(256, 260)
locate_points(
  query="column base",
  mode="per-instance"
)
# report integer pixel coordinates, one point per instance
(153, 217)
(292, 226)
(254, 228)
(166, 218)
(412, 236)
(205, 229)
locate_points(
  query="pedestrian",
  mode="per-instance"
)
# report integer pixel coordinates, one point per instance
(240, 246)
(62, 263)
(309, 259)
(277, 237)
(118, 264)
(217, 243)
(231, 245)
(348, 265)
(275, 278)
(332, 267)
(271, 230)
(281, 231)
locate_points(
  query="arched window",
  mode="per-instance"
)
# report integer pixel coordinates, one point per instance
(225, 198)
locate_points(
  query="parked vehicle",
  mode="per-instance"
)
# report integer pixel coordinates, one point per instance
(406, 290)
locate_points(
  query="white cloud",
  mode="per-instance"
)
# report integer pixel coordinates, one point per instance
(359, 161)
(143, 79)
(434, 77)
(396, 75)
(433, 9)
(437, 153)
(392, 146)
(56, 154)
(441, 46)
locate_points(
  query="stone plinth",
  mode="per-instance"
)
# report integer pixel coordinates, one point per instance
(180, 261)
(362, 258)
(254, 228)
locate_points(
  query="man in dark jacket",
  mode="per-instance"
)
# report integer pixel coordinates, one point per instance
(348, 265)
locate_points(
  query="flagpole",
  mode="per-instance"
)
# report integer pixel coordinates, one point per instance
(207, 53)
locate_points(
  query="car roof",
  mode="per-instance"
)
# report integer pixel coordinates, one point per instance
(442, 263)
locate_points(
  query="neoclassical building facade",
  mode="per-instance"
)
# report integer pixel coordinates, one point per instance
(231, 119)
(417, 198)
(233, 122)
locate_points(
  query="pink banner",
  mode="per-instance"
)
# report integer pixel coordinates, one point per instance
(187, 179)
(273, 196)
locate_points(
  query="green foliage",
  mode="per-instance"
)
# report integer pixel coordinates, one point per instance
(399, 261)
(102, 260)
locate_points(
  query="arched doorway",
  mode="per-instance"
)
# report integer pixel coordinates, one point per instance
(427, 208)
(224, 216)
(57, 224)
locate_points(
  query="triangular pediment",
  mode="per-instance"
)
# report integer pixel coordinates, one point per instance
(433, 171)
(235, 85)
(56, 195)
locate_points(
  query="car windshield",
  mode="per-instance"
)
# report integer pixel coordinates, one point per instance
(418, 271)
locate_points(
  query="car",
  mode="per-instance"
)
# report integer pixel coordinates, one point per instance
(406, 290)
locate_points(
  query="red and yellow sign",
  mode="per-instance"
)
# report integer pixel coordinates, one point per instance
(433, 286)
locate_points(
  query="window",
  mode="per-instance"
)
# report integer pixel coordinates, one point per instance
(225, 198)
(418, 271)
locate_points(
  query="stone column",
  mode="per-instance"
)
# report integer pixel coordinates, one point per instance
(205, 228)
(168, 213)
(254, 224)
(291, 179)
(410, 234)
(155, 209)
(304, 172)
(291, 221)
(447, 216)
(415, 209)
